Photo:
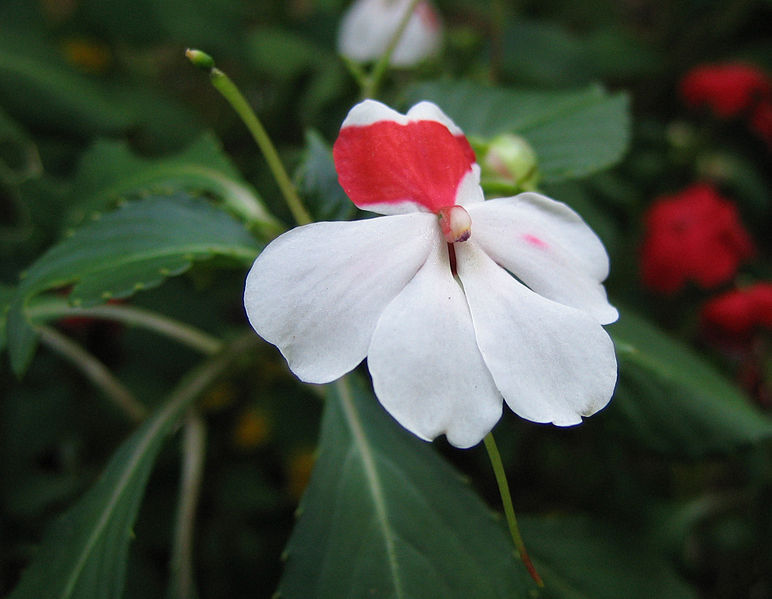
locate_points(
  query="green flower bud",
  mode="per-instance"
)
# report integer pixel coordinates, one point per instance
(200, 59)
(509, 160)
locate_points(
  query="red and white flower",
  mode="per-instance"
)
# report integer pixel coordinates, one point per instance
(368, 26)
(456, 302)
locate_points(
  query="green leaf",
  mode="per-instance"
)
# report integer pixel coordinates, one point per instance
(133, 248)
(574, 133)
(19, 158)
(38, 86)
(6, 297)
(574, 555)
(545, 53)
(108, 171)
(671, 400)
(318, 182)
(384, 516)
(32, 79)
(83, 554)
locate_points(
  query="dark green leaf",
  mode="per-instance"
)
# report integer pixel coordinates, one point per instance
(18, 155)
(109, 170)
(38, 86)
(133, 248)
(545, 53)
(318, 182)
(574, 133)
(84, 553)
(6, 297)
(581, 558)
(671, 400)
(384, 516)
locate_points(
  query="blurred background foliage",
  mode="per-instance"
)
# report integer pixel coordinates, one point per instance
(97, 101)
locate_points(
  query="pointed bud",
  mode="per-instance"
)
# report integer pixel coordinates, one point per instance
(456, 224)
(510, 159)
(200, 59)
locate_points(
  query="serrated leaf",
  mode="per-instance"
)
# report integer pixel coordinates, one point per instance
(574, 133)
(671, 400)
(83, 554)
(132, 248)
(384, 516)
(109, 170)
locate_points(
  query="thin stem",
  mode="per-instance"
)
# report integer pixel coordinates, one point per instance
(94, 371)
(509, 511)
(223, 84)
(373, 82)
(183, 585)
(174, 329)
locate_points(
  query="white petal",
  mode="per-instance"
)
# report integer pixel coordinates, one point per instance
(427, 370)
(368, 26)
(370, 111)
(549, 247)
(551, 363)
(317, 291)
(429, 111)
(469, 191)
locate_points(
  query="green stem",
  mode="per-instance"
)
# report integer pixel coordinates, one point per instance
(223, 84)
(373, 82)
(54, 308)
(94, 371)
(183, 585)
(509, 510)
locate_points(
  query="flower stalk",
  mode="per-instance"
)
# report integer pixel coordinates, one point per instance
(94, 371)
(373, 81)
(509, 510)
(183, 584)
(223, 84)
(55, 308)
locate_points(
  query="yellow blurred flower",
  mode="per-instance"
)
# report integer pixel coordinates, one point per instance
(299, 467)
(88, 55)
(252, 429)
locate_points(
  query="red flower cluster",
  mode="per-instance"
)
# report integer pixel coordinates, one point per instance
(693, 235)
(731, 90)
(739, 312)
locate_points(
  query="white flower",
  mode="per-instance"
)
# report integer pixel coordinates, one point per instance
(368, 26)
(455, 301)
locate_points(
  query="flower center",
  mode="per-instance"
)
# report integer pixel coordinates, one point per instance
(455, 223)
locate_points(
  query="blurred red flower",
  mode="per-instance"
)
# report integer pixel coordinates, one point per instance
(727, 89)
(739, 312)
(693, 235)
(761, 120)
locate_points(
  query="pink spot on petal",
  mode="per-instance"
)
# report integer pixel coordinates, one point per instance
(535, 241)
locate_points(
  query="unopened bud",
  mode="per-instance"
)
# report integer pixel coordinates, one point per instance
(510, 159)
(456, 224)
(200, 59)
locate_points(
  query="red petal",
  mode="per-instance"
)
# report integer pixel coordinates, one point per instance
(387, 163)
